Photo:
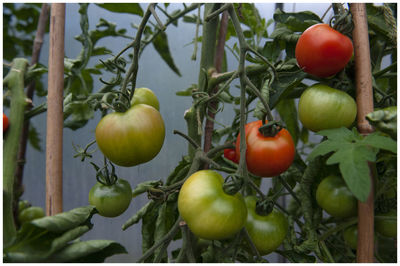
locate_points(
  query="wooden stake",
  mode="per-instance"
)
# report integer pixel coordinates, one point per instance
(54, 138)
(365, 105)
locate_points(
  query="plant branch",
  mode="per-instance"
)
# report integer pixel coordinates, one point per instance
(154, 13)
(189, 139)
(37, 46)
(166, 239)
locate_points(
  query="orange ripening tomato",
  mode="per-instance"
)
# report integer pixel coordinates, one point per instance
(5, 122)
(322, 51)
(267, 156)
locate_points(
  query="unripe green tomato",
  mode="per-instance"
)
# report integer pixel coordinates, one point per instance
(145, 96)
(266, 231)
(322, 107)
(335, 197)
(209, 212)
(22, 205)
(350, 236)
(133, 137)
(113, 200)
(30, 214)
(387, 227)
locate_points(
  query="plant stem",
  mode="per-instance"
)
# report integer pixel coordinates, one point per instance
(132, 72)
(37, 46)
(189, 139)
(166, 239)
(159, 22)
(15, 82)
(213, 104)
(289, 189)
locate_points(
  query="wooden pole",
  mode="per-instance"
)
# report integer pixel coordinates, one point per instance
(365, 105)
(54, 138)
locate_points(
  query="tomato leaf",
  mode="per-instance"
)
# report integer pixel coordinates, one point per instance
(88, 251)
(139, 215)
(49, 239)
(288, 112)
(131, 8)
(353, 152)
(34, 138)
(297, 22)
(161, 45)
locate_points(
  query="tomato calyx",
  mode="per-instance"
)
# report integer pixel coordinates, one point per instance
(271, 128)
(233, 186)
(264, 207)
(103, 174)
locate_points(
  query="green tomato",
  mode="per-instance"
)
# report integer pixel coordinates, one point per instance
(131, 138)
(267, 232)
(145, 96)
(387, 227)
(209, 212)
(113, 200)
(30, 214)
(350, 236)
(335, 198)
(22, 205)
(322, 107)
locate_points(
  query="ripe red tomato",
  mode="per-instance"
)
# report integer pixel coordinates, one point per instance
(267, 156)
(5, 122)
(133, 137)
(322, 51)
(230, 154)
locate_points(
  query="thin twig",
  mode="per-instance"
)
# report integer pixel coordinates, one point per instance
(159, 22)
(189, 139)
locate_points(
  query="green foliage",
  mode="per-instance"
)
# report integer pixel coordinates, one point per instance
(55, 239)
(353, 153)
(161, 45)
(131, 8)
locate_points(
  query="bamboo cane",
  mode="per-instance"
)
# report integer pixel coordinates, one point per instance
(54, 138)
(365, 105)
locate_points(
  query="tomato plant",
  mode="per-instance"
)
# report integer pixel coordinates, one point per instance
(145, 96)
(323, 51)
(335, 198)
(387, 227)
(266, 231)
(111, 200)
(322, 107)
(230, 154)
(5, 122)
(30, 214)
(267, 156)
(209, 212)
(133, 137)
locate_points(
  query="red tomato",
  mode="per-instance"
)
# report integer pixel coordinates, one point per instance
(267, 156)
(230, 154)
(322, 51)
(5, 122)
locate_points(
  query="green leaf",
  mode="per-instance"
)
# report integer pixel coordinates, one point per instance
(187, 92)
(139, 215)
(160, 43)
(323, 148)
(148, 229)
(297, 22)
(131, 8)
(296, 257)
(339, 134)
(260, 111)
(77, 114)
(384, 120)
(88, 251)
(34, 138)
(353, 164)
(144, 186)
(380, 142)
(64, 221)
(288, 112)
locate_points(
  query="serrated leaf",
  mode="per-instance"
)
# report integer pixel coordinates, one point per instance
(131, 8)
(341, 133)
(297, 21)
(353, 165)
(324, 147)
(160, 43)
(380, 142)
